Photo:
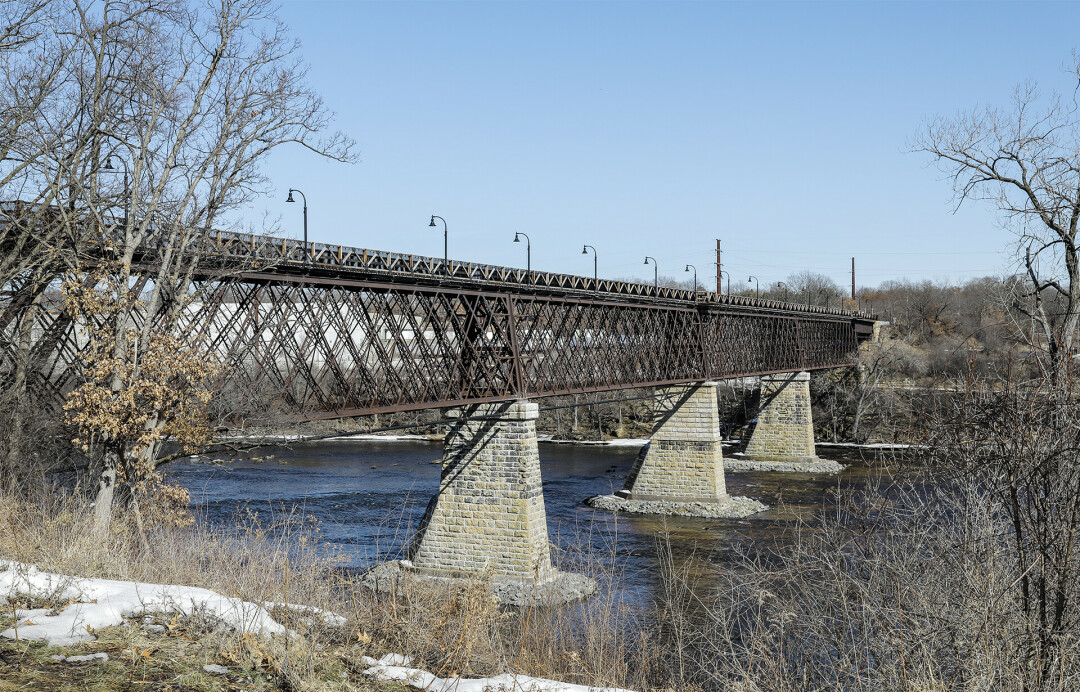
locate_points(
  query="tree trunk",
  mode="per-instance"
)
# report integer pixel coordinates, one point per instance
(10, 469)
(1072, 312)
(106, 492)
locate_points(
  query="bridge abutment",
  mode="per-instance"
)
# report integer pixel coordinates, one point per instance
(783, 437)
(681, 469)
(488, 519)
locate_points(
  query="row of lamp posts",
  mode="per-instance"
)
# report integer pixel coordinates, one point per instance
(528, 250)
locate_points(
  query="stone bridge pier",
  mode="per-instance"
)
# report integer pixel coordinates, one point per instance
(681, 470)
(783, 437)
(488, 520)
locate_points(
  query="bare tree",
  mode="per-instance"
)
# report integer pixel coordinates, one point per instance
(153, 132)
(812, 288)
(1025, 160)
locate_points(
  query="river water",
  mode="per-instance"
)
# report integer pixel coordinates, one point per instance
(368, 497)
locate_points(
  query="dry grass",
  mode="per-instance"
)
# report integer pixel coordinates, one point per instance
(447, 629)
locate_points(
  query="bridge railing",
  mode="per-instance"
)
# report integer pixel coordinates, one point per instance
(273, 251)
(268, 251)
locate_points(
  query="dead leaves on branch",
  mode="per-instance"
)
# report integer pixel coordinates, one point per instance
(138, 389)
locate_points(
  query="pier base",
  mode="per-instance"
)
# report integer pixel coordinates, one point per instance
(681, 470)
(488, 520)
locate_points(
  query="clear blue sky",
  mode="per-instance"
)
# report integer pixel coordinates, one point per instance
(652, 128)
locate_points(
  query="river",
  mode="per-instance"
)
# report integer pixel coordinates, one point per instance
(368, 497)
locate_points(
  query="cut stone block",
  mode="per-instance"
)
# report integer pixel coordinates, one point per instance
(681, 470)
(785, 427)
(488, 519)
(683, 461)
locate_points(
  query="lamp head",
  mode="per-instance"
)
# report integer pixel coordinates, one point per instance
(750, 278)
(432, 224)
(516, 238)
(687, 268)
(584, 251)
(290, 199)
(646, 260)
(108, 164)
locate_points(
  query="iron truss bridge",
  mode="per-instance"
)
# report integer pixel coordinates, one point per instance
(328, 331)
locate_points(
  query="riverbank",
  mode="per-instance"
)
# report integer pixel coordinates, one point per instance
(279, 569)
(96, 630)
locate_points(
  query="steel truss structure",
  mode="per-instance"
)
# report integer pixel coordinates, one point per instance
(328, 339)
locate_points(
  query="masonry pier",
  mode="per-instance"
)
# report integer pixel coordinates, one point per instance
(783, 437)
(681, 469)
(488, 519)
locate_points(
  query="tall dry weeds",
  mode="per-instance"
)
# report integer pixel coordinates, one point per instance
(904, 587)
(451, 629)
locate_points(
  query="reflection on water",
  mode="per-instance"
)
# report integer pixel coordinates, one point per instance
(368, 497)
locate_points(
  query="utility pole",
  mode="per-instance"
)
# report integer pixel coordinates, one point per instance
(719, 276)
(853, 278)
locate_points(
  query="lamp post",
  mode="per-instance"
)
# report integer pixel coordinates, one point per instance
(781, 283)
(109, 167)
(528, 252)
(722, 272)
(655, 273)
(307, 251)
(757, 286)
(688, 268)
(585, 250)
(445, 243)
(127, 193)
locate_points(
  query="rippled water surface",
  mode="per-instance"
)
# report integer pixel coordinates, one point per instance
(368, 496)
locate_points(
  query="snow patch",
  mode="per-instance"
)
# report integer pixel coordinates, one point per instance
(618, 442)
(100, 603)
(379, 438)
(329, 619)
(81, 659)
(395, 667)
(871, 445)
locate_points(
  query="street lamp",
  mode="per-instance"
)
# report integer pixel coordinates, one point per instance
(585, 250)
(757, 286)
(688, 268)
(109, 167)
(528, 252)
(127, 193)
(307, 251)
(722, 272)
(781, 283)
(655, 273)
(445, 254)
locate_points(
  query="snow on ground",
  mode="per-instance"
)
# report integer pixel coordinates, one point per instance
(98, 603)
(618, 442)
(378, 438)
(329, 619)
(396, 667)
(872, 445)
(276, 438)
